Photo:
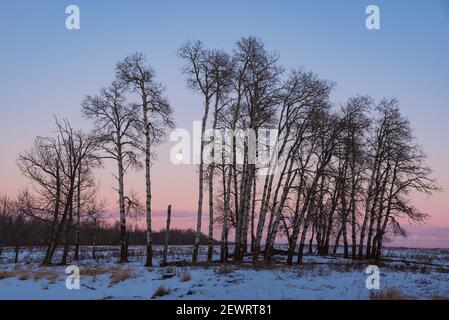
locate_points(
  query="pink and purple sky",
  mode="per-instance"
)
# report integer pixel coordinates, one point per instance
(46, 70)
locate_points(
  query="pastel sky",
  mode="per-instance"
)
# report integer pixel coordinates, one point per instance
(46, 70)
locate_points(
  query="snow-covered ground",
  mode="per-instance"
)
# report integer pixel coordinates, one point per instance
(415, 273)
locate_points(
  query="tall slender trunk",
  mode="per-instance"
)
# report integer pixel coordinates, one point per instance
(381, 232)
(353, 230)
(337, 240)
(16, 253)
(311, 239)
(211, 181)
(149, 246)
(353, 207)
(246, 217)
(123, 245)
(227, 196)
(210, 249)
(373, 180)
(167, 234)
(304, 233)
(345, 239)
(56, 237)
(94, 243)
(310, 214)
(344, 209)
(335, 197)
(67, 234)
(200, 185)
(253, 208)
(296, 226)
(245, 192)
(78, 216)
(378, 200)
(288, 167)
(262, 215)
(47, 259)
(368, 207)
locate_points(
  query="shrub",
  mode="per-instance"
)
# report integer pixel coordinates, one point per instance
(186, 276)
(161, 291)
(390, 294)
(118, 275)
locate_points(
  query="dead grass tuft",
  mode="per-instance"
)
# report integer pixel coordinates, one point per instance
(119, 275)
(95, 271)
(24, 275)
(21, 274)
(186, 276)
(8, 274)
(161, 291)
(116, 273)
(224, 269)
(438, 297)
(50, 275)
(390, 294)
(169, 270)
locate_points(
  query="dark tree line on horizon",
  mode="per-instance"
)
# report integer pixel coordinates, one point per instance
(344, 177)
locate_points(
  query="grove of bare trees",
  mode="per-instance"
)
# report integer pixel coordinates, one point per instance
(334, 176)
(342, 175)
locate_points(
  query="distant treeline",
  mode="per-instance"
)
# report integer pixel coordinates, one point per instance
(35, 232)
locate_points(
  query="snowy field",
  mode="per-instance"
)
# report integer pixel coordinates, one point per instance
(404, 273)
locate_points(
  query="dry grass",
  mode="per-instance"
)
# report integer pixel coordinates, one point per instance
(118, 275)
(161, 291)
(50, 275)
(169, 269)
(21, 274)
(95, 271)
(6, 274)
(438, 297)
(324, 271)
(390, 294)
(184, 277)
(224, 269)
(24, 275)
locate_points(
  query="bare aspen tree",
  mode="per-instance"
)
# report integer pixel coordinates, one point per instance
(115, 122)
(404, 170)
(227, 120)
(353, 140)
(221, 70)
(302, 93)
(157, 114)
(260, 79)
(199, 79)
